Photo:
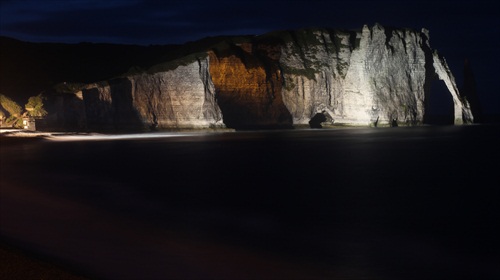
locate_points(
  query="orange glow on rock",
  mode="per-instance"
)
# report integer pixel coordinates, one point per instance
(248, 88)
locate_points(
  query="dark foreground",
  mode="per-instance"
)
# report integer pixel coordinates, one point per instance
(389, 203)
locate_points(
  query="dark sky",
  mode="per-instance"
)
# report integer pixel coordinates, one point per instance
(458, 29)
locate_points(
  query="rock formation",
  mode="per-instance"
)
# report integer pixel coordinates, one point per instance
(180, 98)
(376, 76)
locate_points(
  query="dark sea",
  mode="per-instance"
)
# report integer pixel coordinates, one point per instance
(342, 203)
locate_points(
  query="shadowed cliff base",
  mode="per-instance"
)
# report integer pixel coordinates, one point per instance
(112, 109)
(316, 121)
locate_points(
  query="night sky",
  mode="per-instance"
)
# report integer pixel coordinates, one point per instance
(459, 30)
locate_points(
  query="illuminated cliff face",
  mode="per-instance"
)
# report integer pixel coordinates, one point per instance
(374, 76)
(248, 88)
(180, 98)
(368, 77)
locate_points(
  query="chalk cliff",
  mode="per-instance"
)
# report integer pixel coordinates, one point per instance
(365, 78)
(375, 76)
(180, 98)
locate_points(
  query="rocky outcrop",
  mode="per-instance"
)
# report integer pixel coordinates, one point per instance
(249, 84)
(364, 78)
(375, 76)
(180, 98)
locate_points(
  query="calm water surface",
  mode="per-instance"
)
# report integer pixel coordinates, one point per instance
(364, 203)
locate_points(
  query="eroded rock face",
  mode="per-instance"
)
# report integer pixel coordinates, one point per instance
(370, 77)
(248, 84)
(374, 76)
(180, 98)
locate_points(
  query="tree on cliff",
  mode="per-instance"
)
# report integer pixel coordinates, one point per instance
(34, 107)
